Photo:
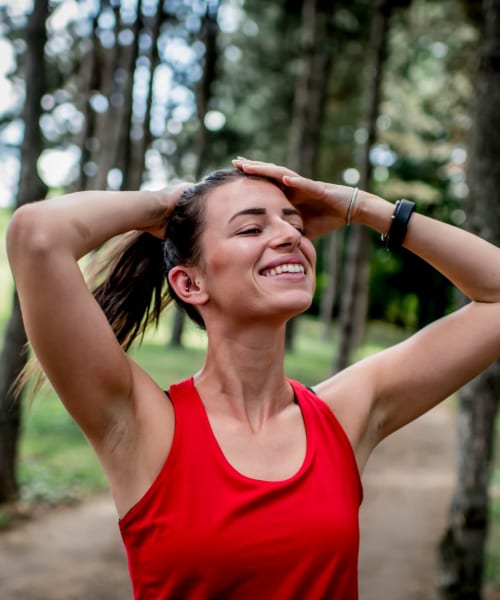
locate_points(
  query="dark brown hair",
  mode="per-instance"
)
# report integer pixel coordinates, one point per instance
(137, 289)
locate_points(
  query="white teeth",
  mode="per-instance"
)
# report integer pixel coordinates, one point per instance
(288, 268)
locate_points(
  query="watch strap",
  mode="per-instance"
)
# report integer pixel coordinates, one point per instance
(394, 238)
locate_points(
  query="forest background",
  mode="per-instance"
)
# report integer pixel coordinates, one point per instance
(397, 96)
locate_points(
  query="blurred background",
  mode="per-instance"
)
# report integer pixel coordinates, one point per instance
(400, 97)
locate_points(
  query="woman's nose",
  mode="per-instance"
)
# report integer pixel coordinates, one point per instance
(287, 235)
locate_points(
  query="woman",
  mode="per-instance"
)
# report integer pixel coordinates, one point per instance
(239, 483)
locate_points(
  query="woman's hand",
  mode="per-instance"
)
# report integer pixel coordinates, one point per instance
(167, 200)
(323, 206)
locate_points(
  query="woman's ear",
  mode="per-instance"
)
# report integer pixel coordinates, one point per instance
(187, 287)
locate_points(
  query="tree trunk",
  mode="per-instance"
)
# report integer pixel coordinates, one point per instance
(463, 544)
(310, 91)
(106, 123)
(328, 296)
(134, 171)
(354, 301)
(125, 142)
(203, 95)
(87, 82)
(31, 188)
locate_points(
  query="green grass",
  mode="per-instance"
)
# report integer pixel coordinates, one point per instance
(57, 464)
(493, 542)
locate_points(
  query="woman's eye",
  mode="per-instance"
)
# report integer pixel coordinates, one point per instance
(250, 231)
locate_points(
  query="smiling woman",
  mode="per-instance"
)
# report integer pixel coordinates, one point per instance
(250, 230)
(239, 482)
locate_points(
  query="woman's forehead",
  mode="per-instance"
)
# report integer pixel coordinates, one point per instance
(245, 193)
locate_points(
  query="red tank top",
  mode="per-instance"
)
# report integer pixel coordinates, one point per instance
(204, 531)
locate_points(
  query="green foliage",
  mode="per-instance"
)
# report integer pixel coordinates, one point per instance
(57, 464)
(493, 542)
(422, 130)
(5, 274)
(492, 574)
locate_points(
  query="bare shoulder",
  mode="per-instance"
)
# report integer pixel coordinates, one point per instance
(350, 394)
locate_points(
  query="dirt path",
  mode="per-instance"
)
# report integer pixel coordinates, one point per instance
(75, 553)
(408, 485)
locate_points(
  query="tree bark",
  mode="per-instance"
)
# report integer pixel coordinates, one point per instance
(134, 171)
(31, 188)
(354, 301)
(87, 82)
(463, 545)
(209, 33)
(105, 124)
(310, 92)
(125, 142)
(329, 295)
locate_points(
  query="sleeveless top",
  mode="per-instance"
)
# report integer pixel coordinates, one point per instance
(204, 531)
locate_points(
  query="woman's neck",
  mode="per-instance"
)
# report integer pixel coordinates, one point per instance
(243, 375)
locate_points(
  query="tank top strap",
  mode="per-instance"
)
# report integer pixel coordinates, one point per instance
(189, 411)
(183, 396)
(326, 424)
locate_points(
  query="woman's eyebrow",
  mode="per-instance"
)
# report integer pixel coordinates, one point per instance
(248, 211)
(262, 211)
(291, 211)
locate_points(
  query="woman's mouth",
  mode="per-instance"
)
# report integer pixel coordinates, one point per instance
(285, 268)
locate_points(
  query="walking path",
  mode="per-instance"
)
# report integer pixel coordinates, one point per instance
(408, 485)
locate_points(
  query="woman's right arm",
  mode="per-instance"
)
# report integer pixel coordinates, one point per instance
(67, 329)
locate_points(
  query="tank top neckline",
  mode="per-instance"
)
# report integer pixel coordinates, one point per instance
(233, 470)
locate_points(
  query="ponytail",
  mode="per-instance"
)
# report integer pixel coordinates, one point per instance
(129, 284)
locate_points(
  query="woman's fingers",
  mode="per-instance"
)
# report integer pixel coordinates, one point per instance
(266, 169)
(322, 205)
(310, 187)
(289, 178)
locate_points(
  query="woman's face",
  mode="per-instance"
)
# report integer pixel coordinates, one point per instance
(256, 264)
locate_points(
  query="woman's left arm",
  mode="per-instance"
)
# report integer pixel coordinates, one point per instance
(415, 375)
(399, 384)
(380, 394)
